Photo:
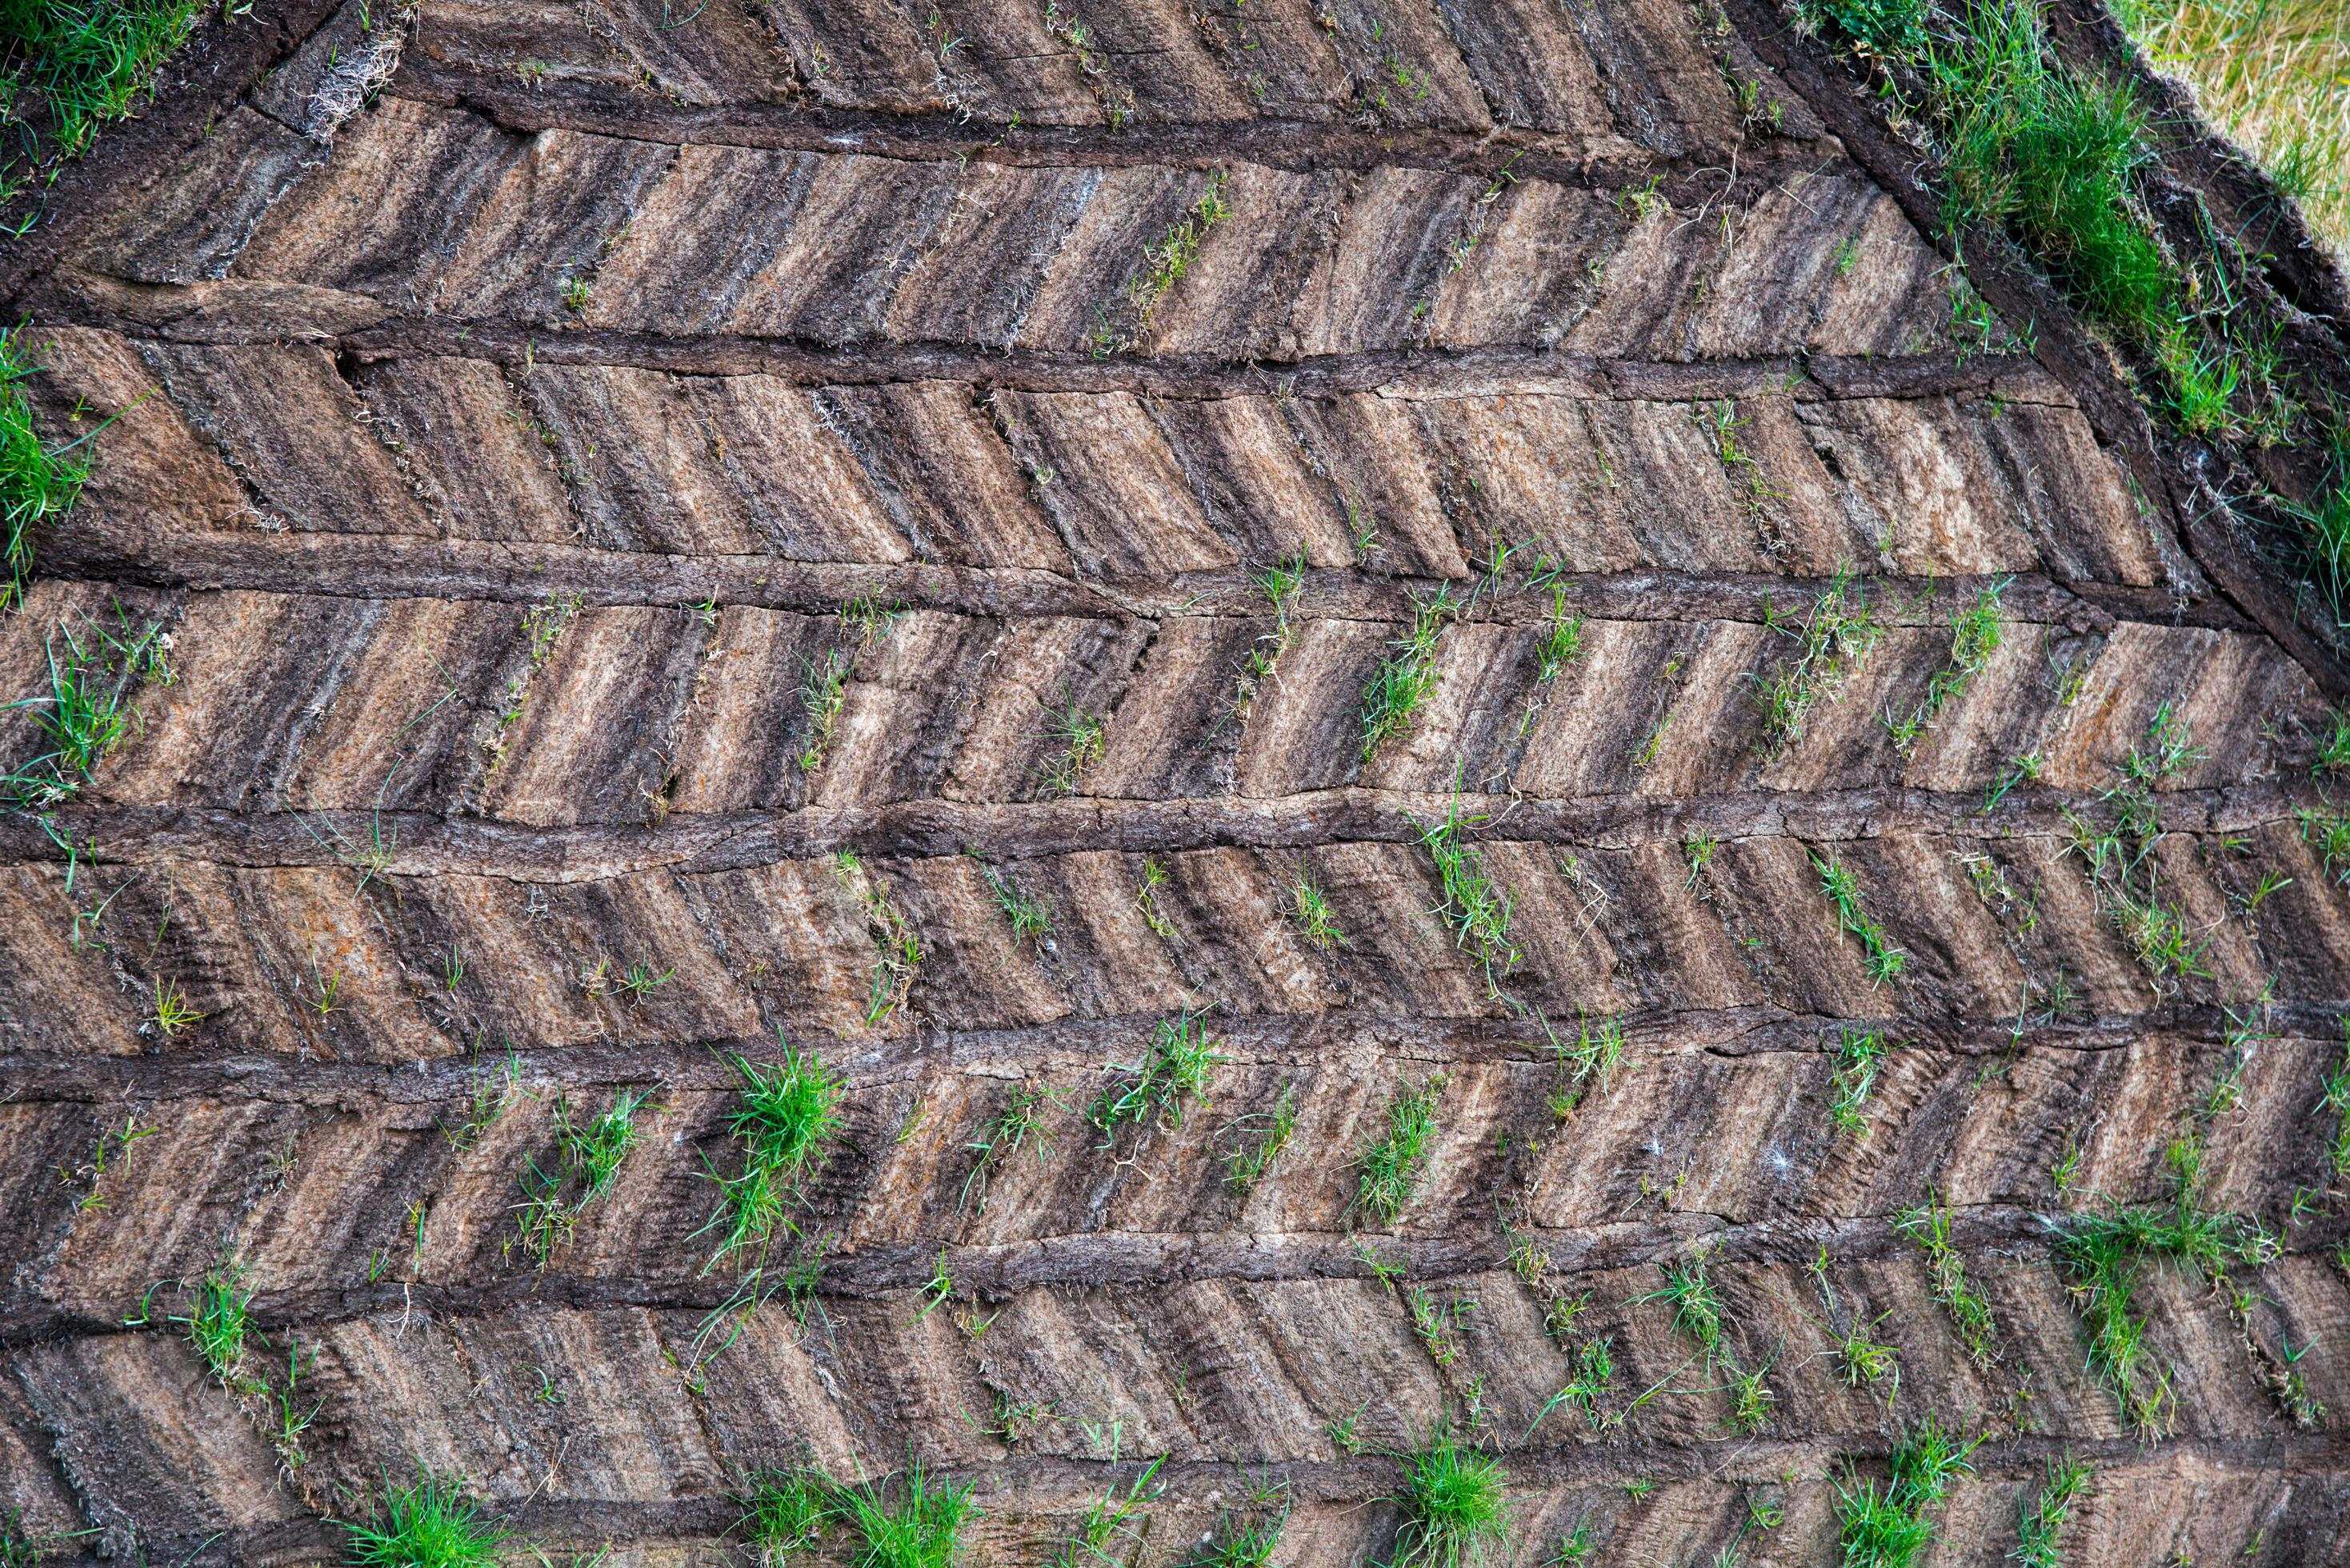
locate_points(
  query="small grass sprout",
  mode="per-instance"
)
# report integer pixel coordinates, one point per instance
(1389, 1167)
(1476, 908)
(1928, 1226)
(1078, 737)
(1407, 678)
(1181, 1062)
(1832, 640)
(1698, 1311)
(1028, 914)
(1859, 1053)
(1004, 1135)
(1882, 959)
(1310, 907)
(588, 1159)
(1263, 1137)
(216, 1320)
(2041, 1520)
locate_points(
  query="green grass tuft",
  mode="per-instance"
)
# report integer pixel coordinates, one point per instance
(1832, 640)
(1181, 1062)
(1929, 1225)
(788, 1117)
(785, 1511)
(910, 1520)
(1697, 1305)
(428, 1525)
(1407, 678)
(1455, 1503)
(75, 65)
(1389, 1167)
(1886, 1526)
(88, 710)
(2040, 1522)
(1881, 957)
(39, 482)
(588, 1159)
(1264, 1136)
(217, 1322)
(1476, 908)
(1860, 1053)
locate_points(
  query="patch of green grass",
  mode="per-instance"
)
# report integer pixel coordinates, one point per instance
(1831, 639)
(1598, 1050)
(588, 1159)
(1146, 899)
(1181, 1062)
(1108, 1517)
(1751, 1396)
(1280, 584)
(1078, 737)
(1004, 1135)
(1266, 1136)
(2041, 1522)
(1406, 677)
(1562, 639)
(1241, 1543)
(73, 67)
(1310, 907)
(1929, 1225)
(216, 1320)
(170, 1012)
(785, 1511)
(2335, 1098)
(1389, 1167)
(431, 1525)
(1887, 1527)
(1698, 1311)
(1881, 957)
(1975, 635)
(1455, 1503)
(1860, 1053)
(39, 482)
(824, 692)
(1476, 908)
(898, 953)
(1028, 915)
(88, 710)
(910, 1520)
(788, 1117)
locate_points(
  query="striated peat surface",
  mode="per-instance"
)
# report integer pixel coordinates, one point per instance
(1413, 725)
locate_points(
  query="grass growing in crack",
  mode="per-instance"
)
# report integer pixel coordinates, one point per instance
(785, 1511)
(1079, 737)
(83, 66)
(1108, 1517)
(1002, 1136)
(430, 1524)
(1279, 583)
(1975, 635)
(1181, 1062)
(788, 1117)
(1476, 908)
(1164, 263)
(1929, 1225)
(1406, 677)
(1263, 1137)
(824, 692)
(1860, 1053)
(1389, 1167)
(1598, 1050)
(1881, 957)
(1146, 899)
(910, 1520)
(88, 710)
(1697, 1305)
(2336, 1097)
(1241, 1543)
(1562, 639)
(1886, 1526)
(1028, 915)
(1455, 1503)
(170, 1012)
(2041, 1522)
(39, 482)
(897, 954)
(588, 1159)
(1832, 640)
(1751, 1396)
(216, 1321)
(1310, 907)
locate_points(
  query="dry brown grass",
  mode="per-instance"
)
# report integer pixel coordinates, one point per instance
(2274, 75)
